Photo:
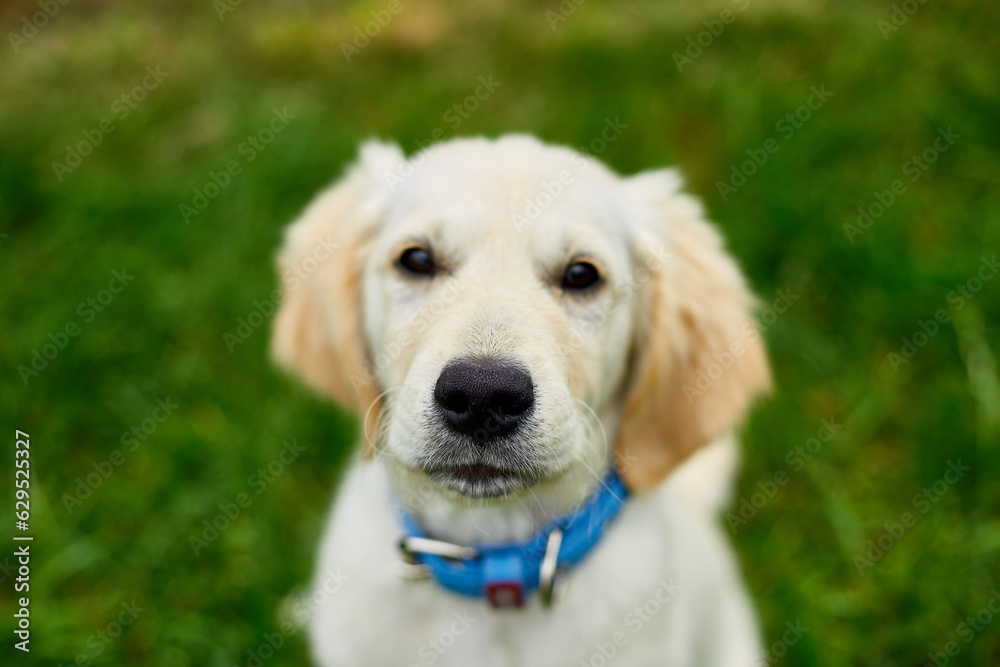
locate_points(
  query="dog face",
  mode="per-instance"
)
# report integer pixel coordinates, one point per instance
(499, 309)
(498, 335)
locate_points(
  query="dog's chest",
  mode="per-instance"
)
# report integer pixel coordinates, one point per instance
(622, 600)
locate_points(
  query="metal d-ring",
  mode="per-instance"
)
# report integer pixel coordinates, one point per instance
(547, 571)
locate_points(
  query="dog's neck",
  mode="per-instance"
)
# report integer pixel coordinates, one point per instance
(469, 522)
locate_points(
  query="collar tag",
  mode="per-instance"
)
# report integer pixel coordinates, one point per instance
(503, 580)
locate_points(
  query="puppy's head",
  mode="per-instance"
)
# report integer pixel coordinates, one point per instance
(509, 316)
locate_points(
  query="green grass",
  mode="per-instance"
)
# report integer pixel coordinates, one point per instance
(162, 336)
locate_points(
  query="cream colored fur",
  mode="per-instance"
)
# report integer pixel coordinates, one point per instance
(620, 376)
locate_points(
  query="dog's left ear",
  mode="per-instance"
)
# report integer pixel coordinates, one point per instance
(700, 358)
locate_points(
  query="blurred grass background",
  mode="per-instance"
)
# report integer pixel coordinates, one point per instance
(162, 336)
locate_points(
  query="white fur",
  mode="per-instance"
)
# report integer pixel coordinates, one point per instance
(607, 370)
(377, 618)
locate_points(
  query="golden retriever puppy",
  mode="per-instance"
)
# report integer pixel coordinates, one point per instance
(549, 360)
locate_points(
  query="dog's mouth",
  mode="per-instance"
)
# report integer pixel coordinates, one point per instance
(479, 480)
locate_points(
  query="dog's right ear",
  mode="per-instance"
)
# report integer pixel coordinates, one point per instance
(318, 329)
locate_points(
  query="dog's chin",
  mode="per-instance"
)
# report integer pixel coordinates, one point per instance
(481, 481)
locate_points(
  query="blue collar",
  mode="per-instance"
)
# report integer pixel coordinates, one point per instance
(506, 573)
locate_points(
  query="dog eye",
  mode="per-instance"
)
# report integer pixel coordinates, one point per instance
(417, 261)
(580, 276)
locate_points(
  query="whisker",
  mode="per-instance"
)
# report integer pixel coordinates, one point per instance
(600, 477)
(381, 425)
(475, 523)
(600, 424)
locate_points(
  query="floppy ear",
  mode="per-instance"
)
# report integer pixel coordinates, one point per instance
(318, 329)
(700, 358)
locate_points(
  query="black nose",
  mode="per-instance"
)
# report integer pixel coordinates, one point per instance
(484, 398)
